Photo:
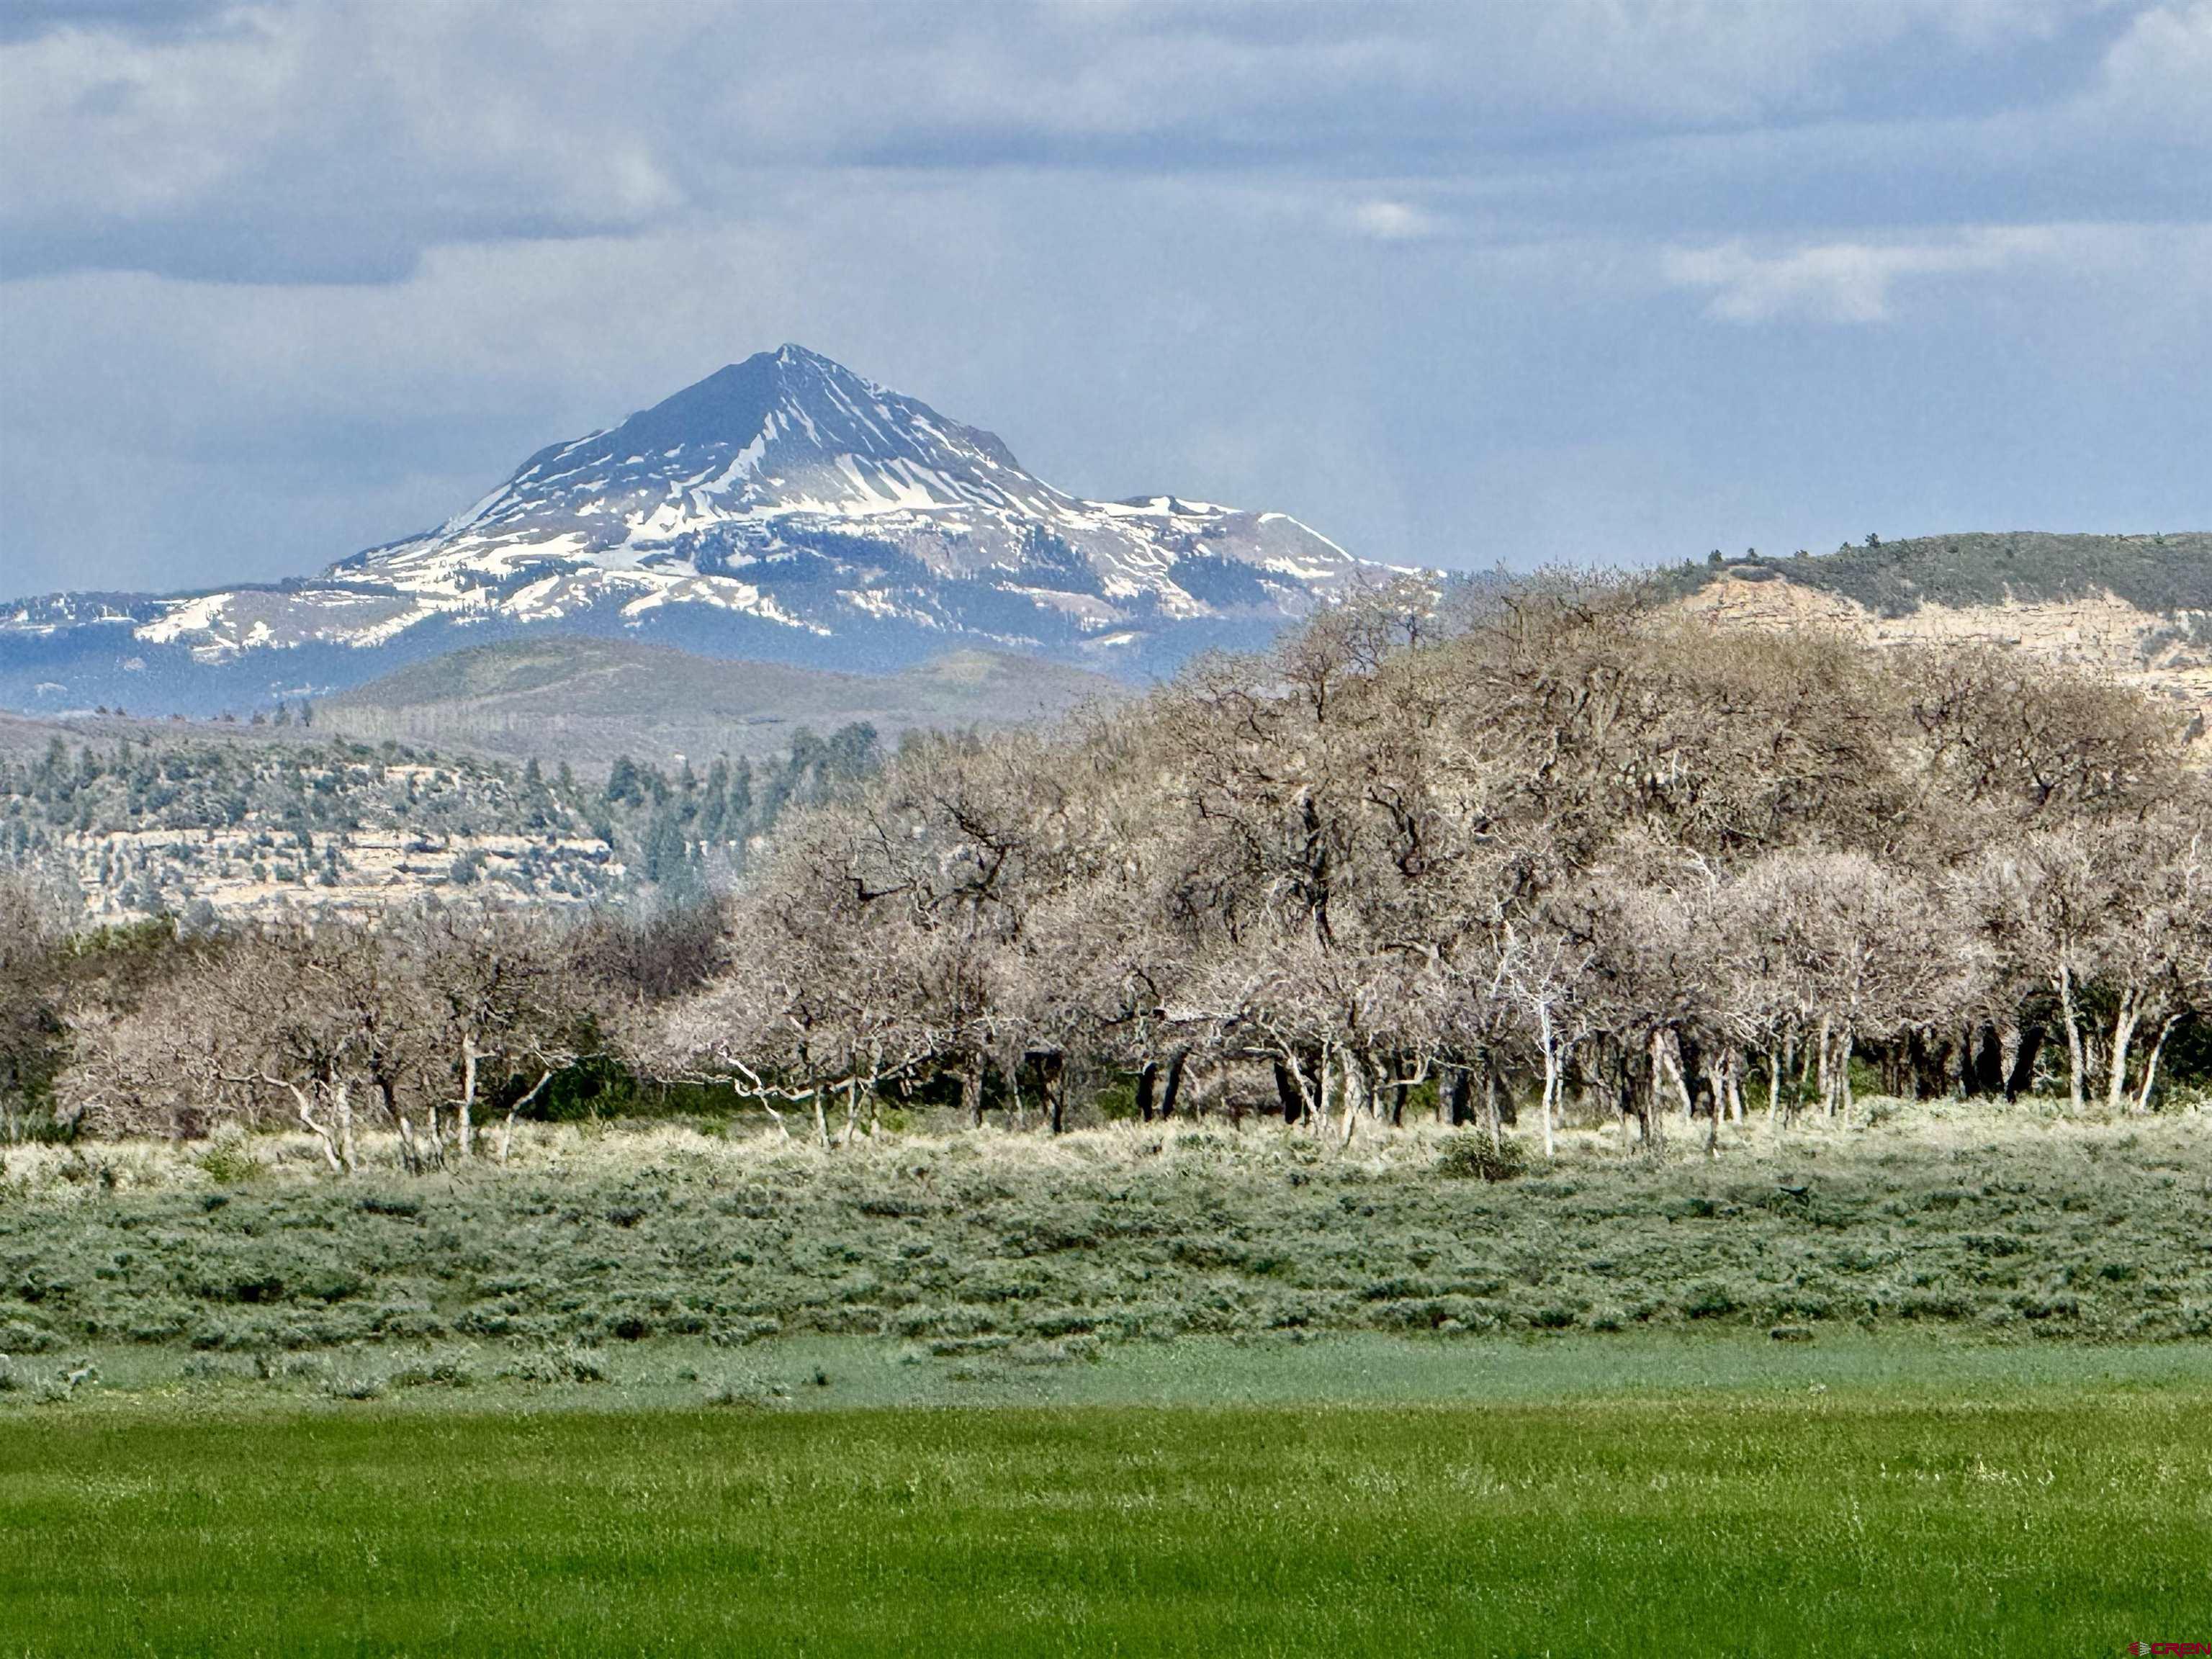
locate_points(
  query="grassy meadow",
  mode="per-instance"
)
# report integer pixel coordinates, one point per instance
(2002, 1518)
(1936, 1385)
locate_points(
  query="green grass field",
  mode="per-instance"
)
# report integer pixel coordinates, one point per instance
(1170, 1391)
(1705, 1502)
(1643, 1492)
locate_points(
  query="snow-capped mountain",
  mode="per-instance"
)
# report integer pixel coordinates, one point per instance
(783, 508)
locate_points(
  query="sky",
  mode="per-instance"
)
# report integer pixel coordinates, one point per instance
(1460, 285)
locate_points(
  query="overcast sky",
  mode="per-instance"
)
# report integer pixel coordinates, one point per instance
(1456, 284)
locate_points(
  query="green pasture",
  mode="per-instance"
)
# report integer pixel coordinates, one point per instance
(1940, 1385)
(1586, 1496)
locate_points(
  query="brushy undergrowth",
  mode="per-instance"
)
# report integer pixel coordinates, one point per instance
(1969, 1220)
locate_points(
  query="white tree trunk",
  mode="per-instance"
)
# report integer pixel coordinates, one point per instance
(321, 1131)
(1551, 1074)
(2124, 1038)
(2150, 1063)
(464, 1113)
(341, 1108)
(1805, 1080)
(506, 1129)
(2076, 1064)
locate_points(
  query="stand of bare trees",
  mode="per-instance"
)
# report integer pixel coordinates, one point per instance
(415, 1025)
(1560, 847)
(1549, 850)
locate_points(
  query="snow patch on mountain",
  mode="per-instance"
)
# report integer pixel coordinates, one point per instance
(790, 492)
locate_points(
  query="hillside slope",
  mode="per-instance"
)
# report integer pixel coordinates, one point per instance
(183, 820)
(586, 701)
(2138, 608)
(2160, 574)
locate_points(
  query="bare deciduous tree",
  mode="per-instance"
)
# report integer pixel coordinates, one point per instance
(509, 1004)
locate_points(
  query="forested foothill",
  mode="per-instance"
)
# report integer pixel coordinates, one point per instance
(151, 822)
(2168, 576)
(1456, 933)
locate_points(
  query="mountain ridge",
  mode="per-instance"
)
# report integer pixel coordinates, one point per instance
(781, 508)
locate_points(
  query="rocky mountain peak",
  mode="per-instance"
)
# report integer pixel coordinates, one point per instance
(783, 508)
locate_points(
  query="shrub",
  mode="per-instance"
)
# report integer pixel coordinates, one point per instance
(1470, 1156)
(250, 1288)
(746, 1390)
(330, 1284)
(231, 1162)
(1709, 1301)
(20, 1336)
(736, 1332)
(557, 1365)
(438, 1374)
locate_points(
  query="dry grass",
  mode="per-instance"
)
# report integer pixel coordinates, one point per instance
(1884, 1128)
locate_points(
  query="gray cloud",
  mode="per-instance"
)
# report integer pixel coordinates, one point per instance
(27, 19)
(1459, 283)
(336, 142)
